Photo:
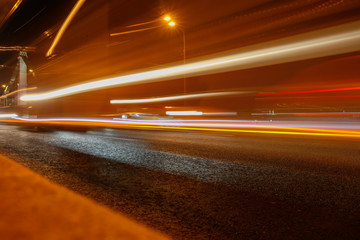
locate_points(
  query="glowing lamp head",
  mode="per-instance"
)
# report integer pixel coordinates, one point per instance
(167, 18)
(171, 24)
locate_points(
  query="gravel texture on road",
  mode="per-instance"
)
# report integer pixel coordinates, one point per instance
(204, 185)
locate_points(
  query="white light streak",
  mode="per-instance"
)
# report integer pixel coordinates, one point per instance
(220, 114)
(173, 98)
(183, 113)
(336, 40)
(8, 115)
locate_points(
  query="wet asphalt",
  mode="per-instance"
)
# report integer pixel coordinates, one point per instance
(193, 185)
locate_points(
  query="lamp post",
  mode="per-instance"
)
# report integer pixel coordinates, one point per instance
(172, 24)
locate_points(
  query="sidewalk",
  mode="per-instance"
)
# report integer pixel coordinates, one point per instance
(32, 207)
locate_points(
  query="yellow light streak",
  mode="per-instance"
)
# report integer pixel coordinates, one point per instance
(270, 130)
(141, 24)
(20, 90)
(335, 40)
(257, 131)
(190, 123)
(16, 5)
(63, 27)
(173, 98)
(132, 31)
(17, 48)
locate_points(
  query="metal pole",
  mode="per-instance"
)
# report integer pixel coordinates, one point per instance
(184, 55)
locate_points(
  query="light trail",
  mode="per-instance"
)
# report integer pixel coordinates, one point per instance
(63, 27)
(311, 91)
(173, 98)
(327, 113)
(184, 113)
(310, 114)
(8, 115)
(220, 114)
(143, 23)
(297, 98)
(261, 131)
(12, 10)
(233, 126)
(17, 48)
(132, 31)
(330, 41)
(17, 91)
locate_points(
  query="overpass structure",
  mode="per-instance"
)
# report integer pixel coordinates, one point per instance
(16, 87)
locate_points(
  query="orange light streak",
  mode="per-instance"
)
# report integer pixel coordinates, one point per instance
(133, 31)
(260, 131)
(143, 23)
(16, 5)
(17, 48)
(162, 126)
(63, 27)
(20, 90)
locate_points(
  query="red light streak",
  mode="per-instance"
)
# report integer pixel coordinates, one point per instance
(311, 91)
(324, 114)
(304, 98)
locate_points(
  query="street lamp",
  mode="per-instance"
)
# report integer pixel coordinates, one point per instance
(146, 26)
(172, 24)
(166, 18)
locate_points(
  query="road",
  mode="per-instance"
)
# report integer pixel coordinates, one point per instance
(193, 185)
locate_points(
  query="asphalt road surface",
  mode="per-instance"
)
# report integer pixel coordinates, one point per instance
(193, 185)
